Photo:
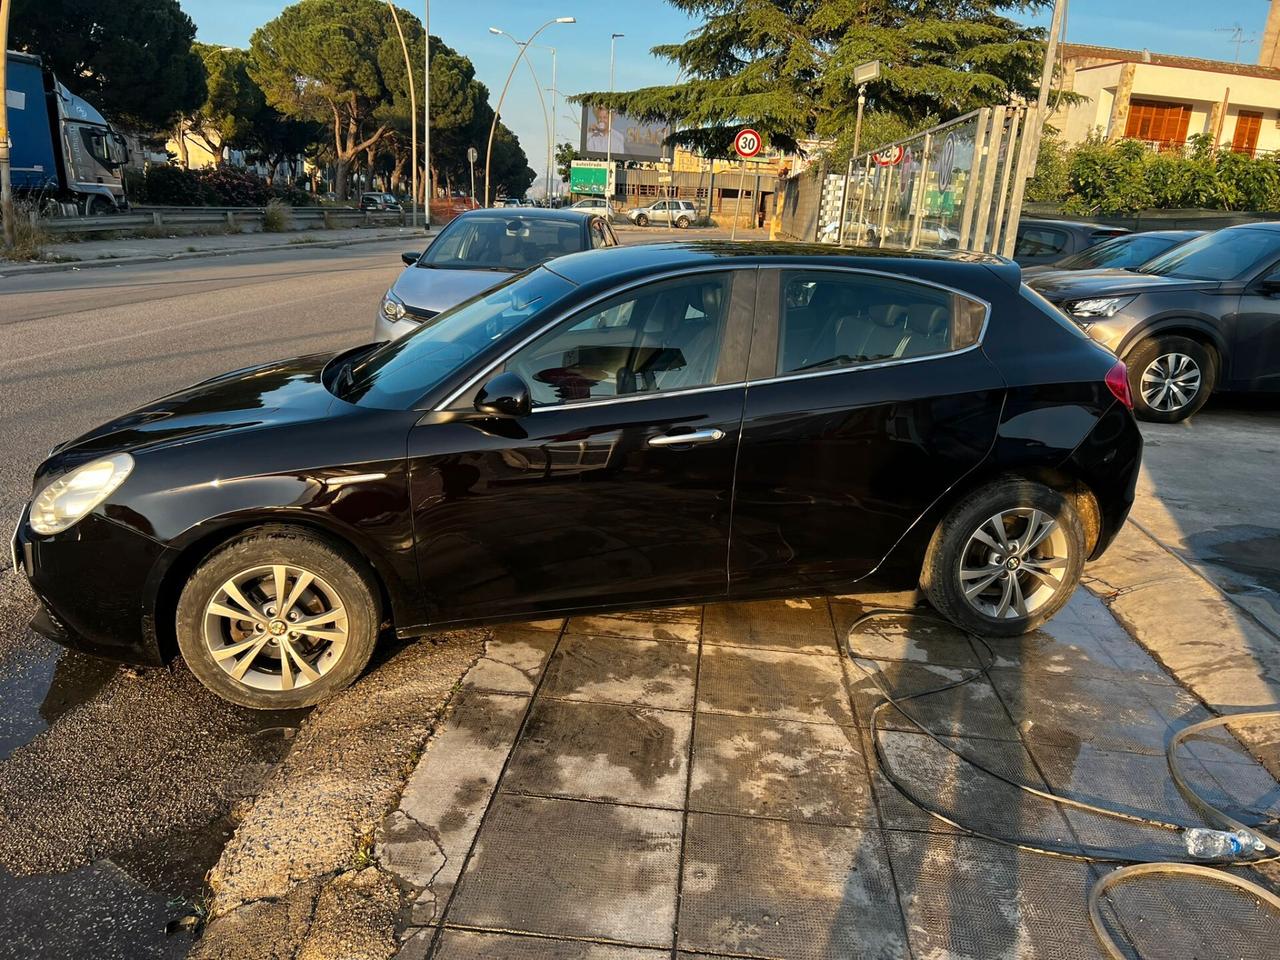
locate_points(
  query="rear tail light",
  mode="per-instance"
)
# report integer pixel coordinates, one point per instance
(1117, 380)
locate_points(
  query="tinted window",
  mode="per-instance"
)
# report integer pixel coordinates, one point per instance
(665, 336)
(502, 243)
(1225, 255)
(1119, 252)
(397, 374)
(1039, 242)
(598, 236)
(837, 319)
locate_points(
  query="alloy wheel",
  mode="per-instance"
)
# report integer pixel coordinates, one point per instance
(1170, 382)
(275, 627)
(1014, 563)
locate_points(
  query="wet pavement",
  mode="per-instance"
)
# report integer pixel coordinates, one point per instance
(701, 782)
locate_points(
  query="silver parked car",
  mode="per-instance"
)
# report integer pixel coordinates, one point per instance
(478, 250)
(679, 213)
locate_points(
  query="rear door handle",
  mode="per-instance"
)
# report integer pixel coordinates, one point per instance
(682, 439)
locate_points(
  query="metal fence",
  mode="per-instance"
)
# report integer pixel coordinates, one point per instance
(231, 218)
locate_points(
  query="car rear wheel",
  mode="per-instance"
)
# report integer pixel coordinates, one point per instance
(682, 223)
(642, 220)
(1170, 378)
(278, 619)
(1005, 559)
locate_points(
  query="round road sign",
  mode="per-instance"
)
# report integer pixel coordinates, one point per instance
(747, 143)
(890, 157)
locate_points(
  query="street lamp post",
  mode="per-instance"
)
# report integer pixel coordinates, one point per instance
(413, 112)
(537, 86)
(551, 140)
(493, 127)
(426, 117)
(608, 133)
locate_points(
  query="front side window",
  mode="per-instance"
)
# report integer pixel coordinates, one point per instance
(831, 320)
(598, 238)
(662, 337)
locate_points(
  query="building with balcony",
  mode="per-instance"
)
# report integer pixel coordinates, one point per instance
(1165, 99)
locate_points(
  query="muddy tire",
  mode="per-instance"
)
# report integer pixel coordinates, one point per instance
(1170, 378)
(278, 618)
(1005, 559)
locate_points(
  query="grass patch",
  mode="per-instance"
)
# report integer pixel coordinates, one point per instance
(277, 217)
(29, 237)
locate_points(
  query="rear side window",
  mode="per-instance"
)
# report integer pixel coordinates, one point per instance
(831, 319)
(1039, 242)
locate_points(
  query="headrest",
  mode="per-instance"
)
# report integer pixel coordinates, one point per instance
(927, 320)
(889, 315)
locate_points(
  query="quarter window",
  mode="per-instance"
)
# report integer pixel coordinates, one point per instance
(663, 337)
(831, 319)
(1039, 242)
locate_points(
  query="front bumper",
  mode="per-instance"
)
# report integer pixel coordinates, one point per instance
(385, 330)
(94, 583)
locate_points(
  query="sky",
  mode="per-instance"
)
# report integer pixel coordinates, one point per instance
(1187, 27)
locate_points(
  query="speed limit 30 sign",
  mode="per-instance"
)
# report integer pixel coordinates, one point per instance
(747, 143)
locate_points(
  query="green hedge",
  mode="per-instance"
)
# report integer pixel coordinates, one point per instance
(220, 186)
(1109, 179)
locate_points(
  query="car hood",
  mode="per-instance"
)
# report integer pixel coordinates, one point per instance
(1062, 285)
(436, 289)
(284, 391)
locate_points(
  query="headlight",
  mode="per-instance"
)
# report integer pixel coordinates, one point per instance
(66, 500)
(392, 307)
(1099, 307)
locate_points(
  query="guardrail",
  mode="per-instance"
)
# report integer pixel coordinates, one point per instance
(232, 218)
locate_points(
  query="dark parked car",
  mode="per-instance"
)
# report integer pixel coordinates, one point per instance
(1044, 241)
(1118, 253)
(1202, 316)
(379, 201)
(477, 250)
(583, 437)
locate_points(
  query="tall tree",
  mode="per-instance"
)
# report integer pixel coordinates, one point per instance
(330, 61)
(566, 153)
(132, 59)
(786, 67)
(232, 103)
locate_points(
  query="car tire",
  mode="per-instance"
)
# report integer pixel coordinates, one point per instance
(682, 223)
(1170, 378)
(98, 206)
(992, 585)
(642, 220)
(325, 586)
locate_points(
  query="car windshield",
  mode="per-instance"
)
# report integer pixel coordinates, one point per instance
(510, 243)
(398, 373)
(1224, 255)
(1118, 253)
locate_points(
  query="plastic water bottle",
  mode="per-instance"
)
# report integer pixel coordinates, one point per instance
(1206, 844)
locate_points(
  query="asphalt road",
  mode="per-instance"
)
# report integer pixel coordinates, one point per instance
(116, 787)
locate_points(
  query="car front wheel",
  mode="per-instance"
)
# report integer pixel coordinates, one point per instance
(642, 220)
(277, 619)
(1005, 559)
(1170, 378)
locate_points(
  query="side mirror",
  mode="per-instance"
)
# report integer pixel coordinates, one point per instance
(506, 395)
(410, 257)
(1270, 284)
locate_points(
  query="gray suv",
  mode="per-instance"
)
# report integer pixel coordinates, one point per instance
(1202, 316)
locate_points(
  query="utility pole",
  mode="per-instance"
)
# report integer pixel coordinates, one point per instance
(426, 118)
(413, 111)
(6, 185)
(551, 139)
(608, 133)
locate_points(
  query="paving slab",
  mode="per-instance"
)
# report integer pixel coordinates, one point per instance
(426, 840)
(763, 888)
(513, 659)
(970, 709)
(679, 624)
(468, 945)
(649, 673)
(769, 683)
(968, 898)
(917, 637)
(602, 751)
(777, 768)
(574, 869)
(801, 625)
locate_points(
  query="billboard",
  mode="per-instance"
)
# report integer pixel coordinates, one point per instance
(630, 139)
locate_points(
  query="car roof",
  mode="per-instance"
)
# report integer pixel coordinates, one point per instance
(533, 213)
(1069, 224)
(1269, 225)
(639, 259)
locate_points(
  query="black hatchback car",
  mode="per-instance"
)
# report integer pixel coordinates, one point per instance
(618, 428)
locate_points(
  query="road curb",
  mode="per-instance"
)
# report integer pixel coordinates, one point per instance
(63, 266)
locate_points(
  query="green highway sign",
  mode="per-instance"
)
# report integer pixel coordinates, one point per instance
(590, 177)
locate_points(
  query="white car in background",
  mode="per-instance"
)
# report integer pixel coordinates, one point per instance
(677, 213)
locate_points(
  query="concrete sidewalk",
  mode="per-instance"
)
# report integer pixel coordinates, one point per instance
(121, 252)
(700, 782)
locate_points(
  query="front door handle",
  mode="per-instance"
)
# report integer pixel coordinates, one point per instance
(682, 439)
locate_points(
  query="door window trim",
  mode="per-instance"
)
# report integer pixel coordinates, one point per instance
(736, 274)
(769, 341)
